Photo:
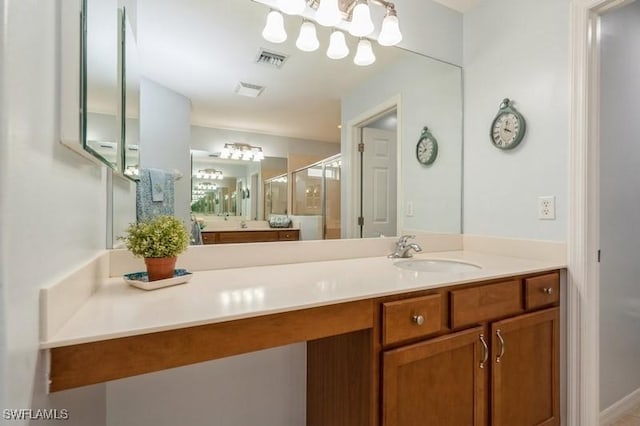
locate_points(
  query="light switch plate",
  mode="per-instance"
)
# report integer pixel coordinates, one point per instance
(410, 209)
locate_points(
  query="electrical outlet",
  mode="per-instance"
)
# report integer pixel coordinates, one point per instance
(547, 208)
(410, 209)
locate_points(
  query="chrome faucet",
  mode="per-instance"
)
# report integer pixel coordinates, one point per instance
(403, 247)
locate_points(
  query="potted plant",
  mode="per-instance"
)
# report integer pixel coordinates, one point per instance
(159, 241)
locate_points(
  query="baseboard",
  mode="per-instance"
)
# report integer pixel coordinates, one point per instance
(618, 409)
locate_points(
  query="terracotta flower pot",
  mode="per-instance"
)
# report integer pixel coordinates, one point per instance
(160, 268)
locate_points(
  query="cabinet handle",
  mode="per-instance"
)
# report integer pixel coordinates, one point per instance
(485, 351)
(418, 319)
(548, 290)
(501, 343)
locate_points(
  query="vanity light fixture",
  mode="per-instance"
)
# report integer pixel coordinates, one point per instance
(353, 16)
(242, 151)
(211, 174)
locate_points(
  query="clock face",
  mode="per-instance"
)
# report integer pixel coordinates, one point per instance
(427, 150)
(506, 130)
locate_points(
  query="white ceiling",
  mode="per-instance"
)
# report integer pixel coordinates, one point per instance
(203, 48)
(459, 5)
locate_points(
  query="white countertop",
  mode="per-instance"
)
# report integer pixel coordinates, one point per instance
(118, 310)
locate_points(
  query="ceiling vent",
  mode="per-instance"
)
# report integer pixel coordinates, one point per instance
(272, 59)
(248, 89)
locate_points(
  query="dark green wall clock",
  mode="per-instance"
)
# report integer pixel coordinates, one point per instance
(509, 126)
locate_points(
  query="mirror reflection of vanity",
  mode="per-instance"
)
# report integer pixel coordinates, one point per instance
(310, 108)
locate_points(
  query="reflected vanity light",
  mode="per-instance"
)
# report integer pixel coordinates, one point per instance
(390, 34)
(292, 7)
(364, 54)
(361, 23)
(354, 17)
(241, 151)
(328, 13)
(274, 28)
(211, 174)
(308, 38)
(338, 48)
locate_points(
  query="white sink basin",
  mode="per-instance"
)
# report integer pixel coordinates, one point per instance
(436, 265)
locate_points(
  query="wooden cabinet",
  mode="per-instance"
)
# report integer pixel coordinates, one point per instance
(232, 237)
(525, 370)
(497, 364)
(436, 382)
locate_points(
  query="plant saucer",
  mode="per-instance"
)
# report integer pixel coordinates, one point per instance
(141, 280)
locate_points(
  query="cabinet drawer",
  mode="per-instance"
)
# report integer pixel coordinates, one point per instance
(291, 235)
(411, 318)
(208, 238)
(485, 302)
(542, 291)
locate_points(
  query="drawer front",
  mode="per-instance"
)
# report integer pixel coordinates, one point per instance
(485, 302)
(290, 235)
(411, 318)
(248, 236)
(542, 291)
(208, 238)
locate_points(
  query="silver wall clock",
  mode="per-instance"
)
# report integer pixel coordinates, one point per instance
(508, 128)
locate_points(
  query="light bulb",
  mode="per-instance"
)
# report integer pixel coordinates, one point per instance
(364, 54)
(328, 13)
(292, 7)
(361, 24)
(274, 29)
(390, 34)
(337, 45)
(307, 39)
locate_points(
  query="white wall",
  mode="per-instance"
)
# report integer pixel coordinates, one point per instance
(52, 213)
(165, 134)
(620, 205)
(516, 49)
(430, 95)
(263, 388)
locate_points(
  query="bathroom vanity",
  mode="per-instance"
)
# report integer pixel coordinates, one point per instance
(385, 345)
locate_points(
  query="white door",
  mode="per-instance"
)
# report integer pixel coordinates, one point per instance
(379, 183)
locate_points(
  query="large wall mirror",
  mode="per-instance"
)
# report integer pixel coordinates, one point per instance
(307, 115)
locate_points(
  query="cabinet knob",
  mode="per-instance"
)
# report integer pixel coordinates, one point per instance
(418, 319)
(547, 290)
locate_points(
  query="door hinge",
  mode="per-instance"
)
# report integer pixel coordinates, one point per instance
(361, 221)
(598, 256)
(360, 147)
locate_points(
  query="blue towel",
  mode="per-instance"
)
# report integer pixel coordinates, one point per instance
(146, 207)
(158, 182)
(196, 234)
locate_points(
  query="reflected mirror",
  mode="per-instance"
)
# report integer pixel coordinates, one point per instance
(100, 97)
(131, 97)
(248, 93)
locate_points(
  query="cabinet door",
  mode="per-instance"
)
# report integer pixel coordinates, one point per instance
(441, 381)
(525, 376)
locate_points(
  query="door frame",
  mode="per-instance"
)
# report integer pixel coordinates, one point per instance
(583, 341)
(351, 147)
